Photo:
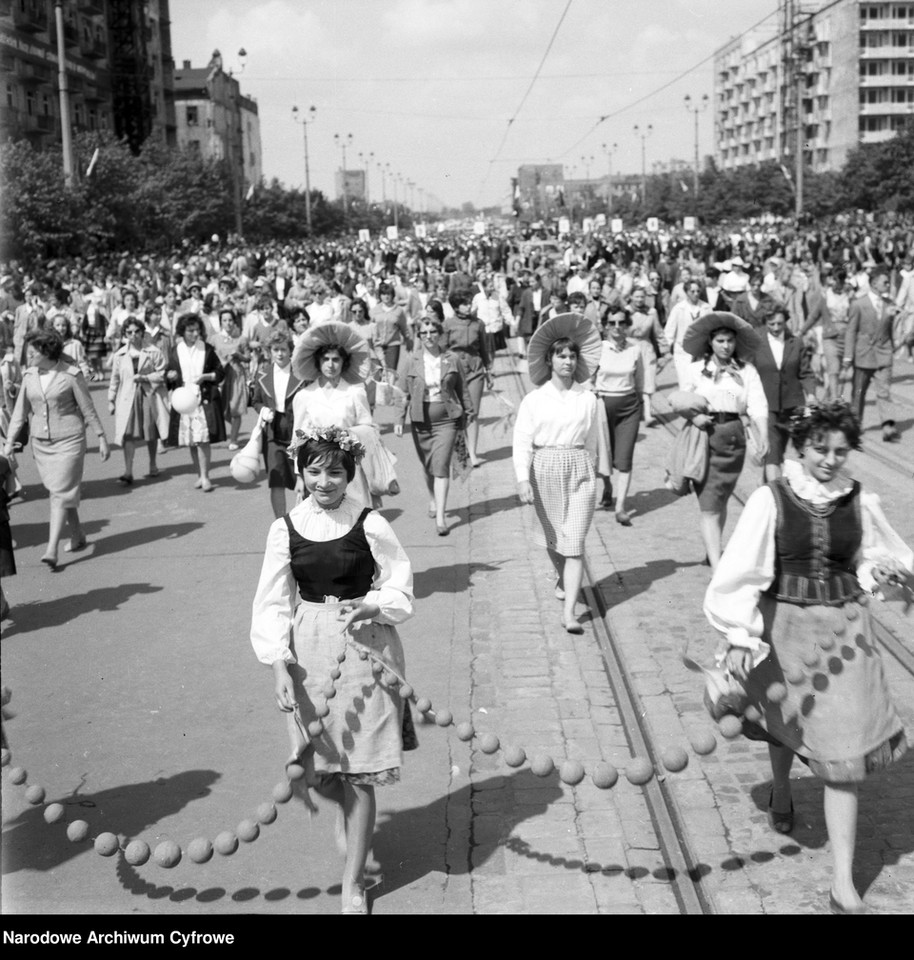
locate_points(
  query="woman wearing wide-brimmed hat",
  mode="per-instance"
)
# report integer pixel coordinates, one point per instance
(721, 345)
(335, 362)
(559, 438)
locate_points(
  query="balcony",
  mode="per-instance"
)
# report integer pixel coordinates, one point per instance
(93, 48)
(886, 52)
(30, 16)
(91, 93)
(33, 74)
(36, 125)
(885, 109)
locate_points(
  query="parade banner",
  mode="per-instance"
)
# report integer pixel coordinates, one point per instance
(364, 236)
(479, 228)
(421, 231)
(689, 224)
(587, 225)
(392, 233)
(653, 224)
(564, 225)
(616, 225)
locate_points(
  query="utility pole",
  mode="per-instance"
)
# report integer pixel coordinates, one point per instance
(304, 122)
(644, 134)
(342, 143)
(66, 132)
(696, 110)
(609, 151)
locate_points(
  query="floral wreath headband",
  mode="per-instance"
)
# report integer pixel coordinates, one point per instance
(336, 435)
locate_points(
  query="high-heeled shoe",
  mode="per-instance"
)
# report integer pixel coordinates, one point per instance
(779, 822)
(572, 626)
(50, 560)
(624, 518)
(840, 910)
(443, 529)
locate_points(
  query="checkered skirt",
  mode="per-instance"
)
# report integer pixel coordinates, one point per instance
(564, 488)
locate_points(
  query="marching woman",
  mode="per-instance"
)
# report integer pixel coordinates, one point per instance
(355, 584)
(681, 317)
(791, 597)
(333, 360)
(137, 397)
(439, 404)
(54, 400)
(619, 382)
(721, 345)
(559, 437)
(234, 353)
(193, 362)
(465, 335)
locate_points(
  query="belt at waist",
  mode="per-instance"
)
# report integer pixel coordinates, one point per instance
(330, 599)
(718, 417)
(557, 446)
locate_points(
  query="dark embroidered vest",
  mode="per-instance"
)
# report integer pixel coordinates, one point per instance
(816, 547)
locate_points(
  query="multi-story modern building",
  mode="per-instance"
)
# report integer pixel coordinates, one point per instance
(845, 67)
(351, 183)
(118, 68)
(216, 120)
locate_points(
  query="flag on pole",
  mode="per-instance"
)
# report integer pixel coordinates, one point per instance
(250, 192)
(685, 188)
(786, 173)
(92, 163)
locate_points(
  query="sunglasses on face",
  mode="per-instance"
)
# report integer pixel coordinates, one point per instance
(428, 333)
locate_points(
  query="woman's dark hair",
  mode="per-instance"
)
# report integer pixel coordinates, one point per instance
(385, 288)
(280, 338)
(133, 321)
(325, 451)
(359, 302)
(456, 299)
(228, 310)
(68, 333)
(823, 418)
(46, 342)
(436, 308)
(709, 352)
(577, 297)
(778, 308)
(438, 324)
(323, 349)
(186, 320)
(557, 346)
(130, 292)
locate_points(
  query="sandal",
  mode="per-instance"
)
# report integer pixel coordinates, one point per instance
(153, 473)
(74, 545)
(126, 480)
(780, 822)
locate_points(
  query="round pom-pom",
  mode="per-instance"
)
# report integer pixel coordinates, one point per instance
(730, 726)
(282, 792)
(390, 679)
(851, 611)
(335, 673)
(322, 709)
(137, 853)
(703, 743)
(77, 831)
(18, 775)
(341, 657)
(794, 675)
(295, 771)
(826, 642)
(363, 654)
(167, 854)
(377, 668)
(542, 765)
(423, 705)
(674, 759)
(406, 691)
(571, 772)
(266, 813)
(515, 756)
(248, 831)
(5, 757)
(226, 843)
(106, 845)
(185, 400)
(444, 718)
(488, 743)
(776, 693)
(604, 776)
(200, 850)
(35, 794)
(639, 771)
(811, 657)
(328, 690)
(752, 713)
(863, 600)
(465, 731)
(315, 728)
(54, 812)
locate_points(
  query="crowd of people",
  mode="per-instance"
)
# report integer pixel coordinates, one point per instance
(774, 336)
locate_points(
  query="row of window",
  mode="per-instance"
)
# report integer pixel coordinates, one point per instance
(887, 38)
(42, 105)
(881, 68)
(887, 95)
(882, 124)
(884, 11)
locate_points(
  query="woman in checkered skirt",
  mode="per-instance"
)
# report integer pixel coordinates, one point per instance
(559, 439)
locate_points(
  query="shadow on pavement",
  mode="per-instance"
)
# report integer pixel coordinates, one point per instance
(646, 501)
(625, 584)
(63, 610)
(31, 844)
(450, 578)
(134, 538)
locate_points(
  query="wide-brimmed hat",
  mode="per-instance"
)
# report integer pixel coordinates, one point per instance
(577, 328)
(695, 341)
(332, 334)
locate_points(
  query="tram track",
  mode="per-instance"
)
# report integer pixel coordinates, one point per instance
(692, 896)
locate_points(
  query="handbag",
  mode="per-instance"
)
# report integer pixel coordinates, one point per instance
(688, 461)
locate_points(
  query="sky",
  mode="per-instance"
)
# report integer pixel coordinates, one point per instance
(456, 94)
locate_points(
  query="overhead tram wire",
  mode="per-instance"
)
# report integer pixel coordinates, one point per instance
(542, 63)
(660, 89)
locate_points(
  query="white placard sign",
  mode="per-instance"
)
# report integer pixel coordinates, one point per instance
(420, 231)
(479, 228)
(653, 224)
(587, 225)
(392, 233)
(689, 224)
(601, 220)
(564, 225)
(364, 236)
(616, 225)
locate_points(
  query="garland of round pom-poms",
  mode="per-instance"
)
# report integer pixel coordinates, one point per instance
(638, 771)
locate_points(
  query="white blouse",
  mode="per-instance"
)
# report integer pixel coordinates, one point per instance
(191, 360)
(345, 405)
(681, 317)
(432, 365)
(277, 592)
(548, 417)
(726, 395)
(621, 371)
(747, 566)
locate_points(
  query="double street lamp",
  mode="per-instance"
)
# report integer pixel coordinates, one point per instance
(699, 107)
(644, 134)
(609, 151)
(342, 143)
(304, 121)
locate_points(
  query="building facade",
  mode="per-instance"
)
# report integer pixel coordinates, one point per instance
(844, 67)
(352, 184)
(129, 40)
(216, 120)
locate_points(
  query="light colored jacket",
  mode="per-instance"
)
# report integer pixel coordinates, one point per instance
(123, 387)
(65, 410)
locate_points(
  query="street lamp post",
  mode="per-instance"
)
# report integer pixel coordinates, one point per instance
(342, 143)
(644, 134)
(304, 121)
(609, 151)
(696, 110)
(383, 185)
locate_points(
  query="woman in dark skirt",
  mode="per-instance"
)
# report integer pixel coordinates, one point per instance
(791, 596)
(194, 362)
(465, 335)
(439, 405)
(7, 558)
(722, 344)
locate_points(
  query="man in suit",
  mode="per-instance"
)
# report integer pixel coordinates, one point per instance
(784, 365)
(869, 348)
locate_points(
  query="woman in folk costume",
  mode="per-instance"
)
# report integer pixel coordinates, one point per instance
(334, 361)
(791, 597)
(559, 446)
